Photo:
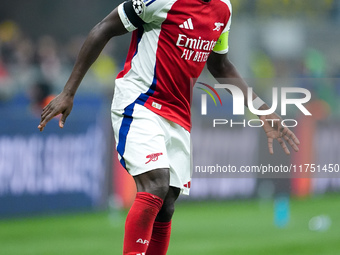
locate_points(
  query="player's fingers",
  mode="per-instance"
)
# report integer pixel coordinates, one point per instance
(44, 121)
(280, 128)
(291, 143)
(270, 145)
(45, 109)
(283, 145)
(46, 117)
(45, 113)
(42, 125)
(286, 131)
(48, 106)
(293, 137)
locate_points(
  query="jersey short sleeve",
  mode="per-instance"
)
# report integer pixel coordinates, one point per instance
(135, 13)
(222, 44)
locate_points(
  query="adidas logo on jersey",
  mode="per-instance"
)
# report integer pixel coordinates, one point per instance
(187, 24)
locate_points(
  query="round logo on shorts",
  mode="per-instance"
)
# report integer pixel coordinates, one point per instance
(139, 6)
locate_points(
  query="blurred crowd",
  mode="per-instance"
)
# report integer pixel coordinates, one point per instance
(41, 67)
(309, 72)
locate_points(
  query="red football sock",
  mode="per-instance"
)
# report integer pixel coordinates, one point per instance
(139, 223)
(160, 238)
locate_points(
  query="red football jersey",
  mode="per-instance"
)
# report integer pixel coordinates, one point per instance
(171, 43)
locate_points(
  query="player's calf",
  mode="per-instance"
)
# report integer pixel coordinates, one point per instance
(139, 222)
(152, 188)
(162, 227)
(168, 208)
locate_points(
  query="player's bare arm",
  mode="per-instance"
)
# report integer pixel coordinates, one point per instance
(98, 37)
(221, 68)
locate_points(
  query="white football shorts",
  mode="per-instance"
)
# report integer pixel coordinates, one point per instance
(146, 141)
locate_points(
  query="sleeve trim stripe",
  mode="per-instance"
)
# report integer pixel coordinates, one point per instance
(147, 4)
(222, 51)
(125, 20)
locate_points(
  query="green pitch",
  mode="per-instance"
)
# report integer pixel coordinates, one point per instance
(243, 227)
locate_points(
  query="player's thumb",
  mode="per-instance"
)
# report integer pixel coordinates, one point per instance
(63, 119)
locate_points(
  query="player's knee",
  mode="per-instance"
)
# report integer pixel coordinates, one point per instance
(155, 182)
(159, 182)
(166, 213)
(159, 188)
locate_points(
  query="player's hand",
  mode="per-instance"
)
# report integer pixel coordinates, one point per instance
(61, 104)
(275, 130)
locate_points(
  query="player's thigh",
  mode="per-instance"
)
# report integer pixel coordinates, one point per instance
(155, 182)
(140, 141)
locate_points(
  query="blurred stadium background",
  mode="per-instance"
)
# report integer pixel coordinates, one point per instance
(63, 192)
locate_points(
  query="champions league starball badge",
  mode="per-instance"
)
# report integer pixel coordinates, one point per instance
(138, 6)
